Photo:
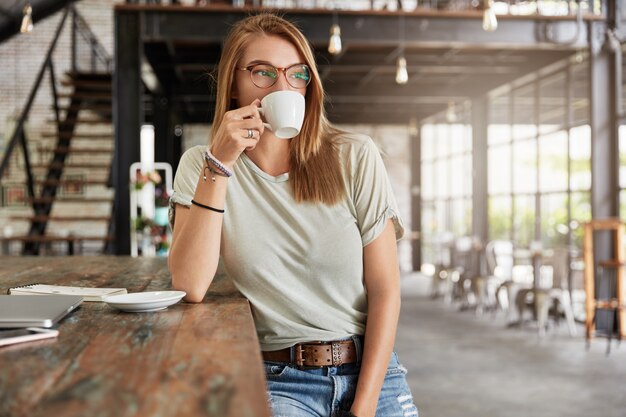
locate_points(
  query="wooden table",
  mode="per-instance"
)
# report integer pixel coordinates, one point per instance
(189, 360)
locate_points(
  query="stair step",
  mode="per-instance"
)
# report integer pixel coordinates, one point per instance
(80, 75)
(87, 95)
(70, 182)
(77, 150)
(57, 165)
(68, 135)
(45, 200)
(56, 238)
(62, 218)
(82, 122)
(93, 107)
(88, 84)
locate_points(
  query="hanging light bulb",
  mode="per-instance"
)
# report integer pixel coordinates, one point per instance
(490, 22)
(402, 76)
(579, 57)
(27, 20)
(334, 45)
(451, 112)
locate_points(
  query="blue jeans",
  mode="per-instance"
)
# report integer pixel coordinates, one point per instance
(329, 391)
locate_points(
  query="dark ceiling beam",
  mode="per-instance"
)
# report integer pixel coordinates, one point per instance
(425, 69)
(421, 30)
(364, 64)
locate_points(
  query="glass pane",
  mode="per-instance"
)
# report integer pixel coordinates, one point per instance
(456, 133)
(525, 166)
(467, 138)
(428, 180)
(442, 178)
(428, 142)
(581, 212)
(553, 160)
(524, 113)
(442, 216)
(552, 107)
(524, 220)
(554, 221)
(499, 123)
(499, 175)
(580, 93)
(456, 207)
(456, 176)
(467, 175)
(467, 216)
(441, 134)
(580, 154)
(499, 133)
(500, 218)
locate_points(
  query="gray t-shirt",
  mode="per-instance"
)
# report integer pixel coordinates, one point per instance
(299, 264)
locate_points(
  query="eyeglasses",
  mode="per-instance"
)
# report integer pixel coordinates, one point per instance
(265, 75)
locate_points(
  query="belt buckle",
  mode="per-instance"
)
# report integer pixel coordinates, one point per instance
(300, 357)
(298, 360)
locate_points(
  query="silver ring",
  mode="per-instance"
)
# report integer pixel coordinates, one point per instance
(250, 133)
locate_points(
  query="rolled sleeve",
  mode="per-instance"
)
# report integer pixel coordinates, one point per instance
(186, 180)
(374, 201)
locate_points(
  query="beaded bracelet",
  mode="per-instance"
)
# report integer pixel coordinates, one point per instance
(213, 172)
(208, 156)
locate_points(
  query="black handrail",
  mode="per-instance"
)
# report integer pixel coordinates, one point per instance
(79, 25)
(19, 129)
(98, 52)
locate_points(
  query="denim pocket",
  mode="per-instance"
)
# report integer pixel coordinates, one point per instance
(275, 369)
(395, 367)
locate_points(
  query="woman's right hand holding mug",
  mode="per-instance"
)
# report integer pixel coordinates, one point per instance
(241, 129)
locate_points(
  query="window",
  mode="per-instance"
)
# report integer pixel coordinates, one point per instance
(446, 169)
(539, 156)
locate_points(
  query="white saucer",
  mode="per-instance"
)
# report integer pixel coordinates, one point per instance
(141, 302)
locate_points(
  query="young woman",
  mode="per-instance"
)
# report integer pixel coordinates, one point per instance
(305, 227)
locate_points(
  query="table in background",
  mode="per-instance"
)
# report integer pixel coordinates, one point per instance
(189, 360)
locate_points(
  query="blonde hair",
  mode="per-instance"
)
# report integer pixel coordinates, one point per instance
(315, 170)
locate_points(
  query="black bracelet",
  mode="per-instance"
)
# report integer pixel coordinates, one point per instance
(195, 203)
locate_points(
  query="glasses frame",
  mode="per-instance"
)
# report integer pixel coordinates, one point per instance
(278, 69)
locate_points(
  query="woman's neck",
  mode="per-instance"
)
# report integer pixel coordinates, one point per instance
(271, 154)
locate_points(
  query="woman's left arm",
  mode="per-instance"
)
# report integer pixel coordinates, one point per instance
(382, 280)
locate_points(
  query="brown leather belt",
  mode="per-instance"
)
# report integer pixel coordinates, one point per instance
(315, 354)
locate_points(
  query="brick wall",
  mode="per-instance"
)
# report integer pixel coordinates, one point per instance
(21, 58)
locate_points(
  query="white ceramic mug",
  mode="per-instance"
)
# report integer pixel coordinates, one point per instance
(284, 113)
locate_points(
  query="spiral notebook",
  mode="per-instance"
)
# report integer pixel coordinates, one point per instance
(88, 293)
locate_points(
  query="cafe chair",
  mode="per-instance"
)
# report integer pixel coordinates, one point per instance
(467, 260)
(541, 299)
(500, 260)
(450, 278)
(444, 268)
(490, 288)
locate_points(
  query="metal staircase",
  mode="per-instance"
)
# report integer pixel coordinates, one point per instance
(81, 139)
